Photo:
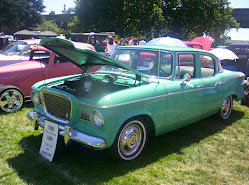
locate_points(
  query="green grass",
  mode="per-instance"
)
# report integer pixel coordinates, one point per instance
(207, 152)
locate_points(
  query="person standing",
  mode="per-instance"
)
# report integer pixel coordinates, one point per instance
(135, 41)
(110, 45)
(121, 42)
(130, 40)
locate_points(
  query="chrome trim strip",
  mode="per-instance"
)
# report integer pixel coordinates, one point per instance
(136, 101)
(151, 98)
(85, 139)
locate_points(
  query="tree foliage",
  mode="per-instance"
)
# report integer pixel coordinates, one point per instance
(125, 17)
(48, 26)
(183, 19)
(191, 18)
(70, 10)
(16, 15)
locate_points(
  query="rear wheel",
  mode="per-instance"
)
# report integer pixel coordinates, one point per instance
(11, 99)
(226, 109)
(130, 140)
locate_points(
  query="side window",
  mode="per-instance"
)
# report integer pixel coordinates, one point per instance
(59, 59)
(237, 50)
(166, 63)
(186, 64)
(40, 55)
(207, 66)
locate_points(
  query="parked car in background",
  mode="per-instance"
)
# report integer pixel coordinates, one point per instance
(4, 41)
(16, 79)
(139, 91)
(191, 44)
(241, 64)
(18, 50)
(240, 49)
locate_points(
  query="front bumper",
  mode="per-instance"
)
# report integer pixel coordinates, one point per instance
(69, 133)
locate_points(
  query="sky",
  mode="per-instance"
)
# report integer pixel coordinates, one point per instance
(57, 5)
(241, 34)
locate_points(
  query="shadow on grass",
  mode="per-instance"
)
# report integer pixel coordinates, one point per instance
(79, 165)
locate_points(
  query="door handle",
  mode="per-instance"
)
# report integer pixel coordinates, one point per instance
(200, 86)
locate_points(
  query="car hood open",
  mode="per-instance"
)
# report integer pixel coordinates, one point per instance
(80, 55)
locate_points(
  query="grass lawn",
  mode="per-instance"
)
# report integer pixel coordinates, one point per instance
(207, 152)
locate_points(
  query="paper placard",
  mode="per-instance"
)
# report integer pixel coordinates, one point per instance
(49, 140)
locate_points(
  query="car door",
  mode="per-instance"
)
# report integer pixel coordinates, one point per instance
(213, 84)
(185, 96)
(62, 67)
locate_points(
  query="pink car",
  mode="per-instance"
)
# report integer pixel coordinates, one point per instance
(16, 78)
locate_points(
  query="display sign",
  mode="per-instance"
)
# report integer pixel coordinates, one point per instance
(49, 140)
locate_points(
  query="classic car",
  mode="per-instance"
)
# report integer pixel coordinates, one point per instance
(4, 41)
(139, 92)
(193, 44)
(241, 64)
(17, 77)
(200, 43)
(18, 50)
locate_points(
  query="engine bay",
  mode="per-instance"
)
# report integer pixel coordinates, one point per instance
(88, 86)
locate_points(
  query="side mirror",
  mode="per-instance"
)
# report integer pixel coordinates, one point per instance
(186, 78)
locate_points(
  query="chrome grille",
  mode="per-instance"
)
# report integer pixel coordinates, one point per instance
(85, 115)
(57, 106)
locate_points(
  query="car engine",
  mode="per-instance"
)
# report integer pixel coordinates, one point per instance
(87, 86)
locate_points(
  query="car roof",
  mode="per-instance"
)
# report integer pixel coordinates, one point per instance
(164, 48)
(30, 41)
(91, 33)
(239, 44)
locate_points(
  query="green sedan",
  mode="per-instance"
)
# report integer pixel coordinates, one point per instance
(118, 102)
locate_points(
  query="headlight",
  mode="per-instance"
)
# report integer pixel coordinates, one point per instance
(97, 118)
(35, 98)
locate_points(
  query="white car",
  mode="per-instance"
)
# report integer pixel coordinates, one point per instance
(18, 50)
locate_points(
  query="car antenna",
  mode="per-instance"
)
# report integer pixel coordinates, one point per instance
(158, 64)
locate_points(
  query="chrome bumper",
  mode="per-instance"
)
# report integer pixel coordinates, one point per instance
(69, 133)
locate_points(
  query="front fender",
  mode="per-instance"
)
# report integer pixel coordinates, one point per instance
(123, 119)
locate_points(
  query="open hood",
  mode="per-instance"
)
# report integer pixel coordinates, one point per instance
(80, 55)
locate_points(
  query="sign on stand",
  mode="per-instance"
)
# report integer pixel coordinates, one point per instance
(49, 140)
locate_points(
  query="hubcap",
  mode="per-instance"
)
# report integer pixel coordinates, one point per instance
(225, 110)
(11, 100)
(131, 140)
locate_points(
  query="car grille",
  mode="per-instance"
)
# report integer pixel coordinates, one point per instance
(57, 106)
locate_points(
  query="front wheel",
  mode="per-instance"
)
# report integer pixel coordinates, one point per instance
(226, 109)
(11, 99)
(130, 140)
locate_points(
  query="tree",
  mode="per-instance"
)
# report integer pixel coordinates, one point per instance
(191, 18)
(64, 11)
(48, 25)
(183, 19)
(52, 13)
(16, 15)
(70, 10)
(125, 17)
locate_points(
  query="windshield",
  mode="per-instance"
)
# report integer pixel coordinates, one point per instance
(14, 47)
(145, 61)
